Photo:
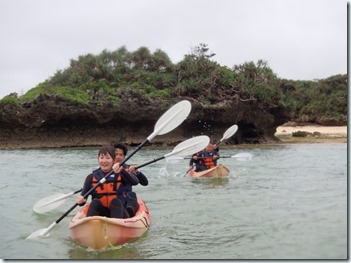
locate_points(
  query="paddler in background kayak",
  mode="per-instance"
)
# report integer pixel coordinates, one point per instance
(105, 201)
(125, 192)
(206, 158)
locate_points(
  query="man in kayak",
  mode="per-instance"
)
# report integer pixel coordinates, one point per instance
(205, 159)
(105, 199)
(125, 192)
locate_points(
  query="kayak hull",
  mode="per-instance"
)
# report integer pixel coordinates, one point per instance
(216, 172)
(99, 232)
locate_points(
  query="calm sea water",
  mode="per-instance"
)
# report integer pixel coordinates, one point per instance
(288, 202)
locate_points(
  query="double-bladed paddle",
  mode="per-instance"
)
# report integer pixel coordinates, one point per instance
(171, 119)
(184, 148)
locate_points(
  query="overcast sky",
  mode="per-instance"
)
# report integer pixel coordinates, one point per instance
(300, 39)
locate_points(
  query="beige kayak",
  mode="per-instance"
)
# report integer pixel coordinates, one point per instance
(99, 232)
(218, 171)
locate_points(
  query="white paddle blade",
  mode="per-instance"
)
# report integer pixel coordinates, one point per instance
(230, 132)
(49, 203)
(39, 233)
(44, 232)
(172, 118)
(190, 146)
(174, 159)
(242, 156)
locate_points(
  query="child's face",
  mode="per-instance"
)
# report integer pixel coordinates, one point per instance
(105, 162)
(119, 155)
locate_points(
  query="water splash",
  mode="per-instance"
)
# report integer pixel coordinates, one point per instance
(165, 173)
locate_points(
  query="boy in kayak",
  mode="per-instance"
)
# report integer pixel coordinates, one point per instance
(125, 192)
(205, 159)
(105, 198)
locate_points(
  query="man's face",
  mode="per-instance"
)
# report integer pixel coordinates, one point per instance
(119, 155)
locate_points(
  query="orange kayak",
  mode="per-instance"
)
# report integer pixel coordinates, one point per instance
(99, 232)
(215, 172)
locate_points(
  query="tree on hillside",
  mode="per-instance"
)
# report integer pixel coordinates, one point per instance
(194, 71)
(257, 83)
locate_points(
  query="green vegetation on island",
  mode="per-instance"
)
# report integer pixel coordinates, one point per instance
(111, 77)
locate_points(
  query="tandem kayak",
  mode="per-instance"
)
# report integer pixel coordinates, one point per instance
(215, 172)
(99, 232)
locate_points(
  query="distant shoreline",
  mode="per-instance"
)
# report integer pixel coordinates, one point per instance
(316, 134)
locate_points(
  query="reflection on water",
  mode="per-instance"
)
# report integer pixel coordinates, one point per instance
(126, 251)
(120, 252)
(211, 182)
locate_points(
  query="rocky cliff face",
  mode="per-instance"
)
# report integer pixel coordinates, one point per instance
(51, 121)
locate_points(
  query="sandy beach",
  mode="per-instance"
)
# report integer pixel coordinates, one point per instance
(317, 133)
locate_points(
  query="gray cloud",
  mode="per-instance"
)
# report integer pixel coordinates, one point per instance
(303, 39)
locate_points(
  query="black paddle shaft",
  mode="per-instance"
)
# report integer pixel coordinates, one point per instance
(153, 161)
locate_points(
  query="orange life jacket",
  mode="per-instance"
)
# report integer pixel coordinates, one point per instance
(108, 190)
(209, 163)
(206, 160)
